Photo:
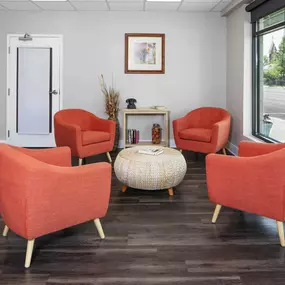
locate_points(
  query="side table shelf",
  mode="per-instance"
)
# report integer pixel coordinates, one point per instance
(147, 112)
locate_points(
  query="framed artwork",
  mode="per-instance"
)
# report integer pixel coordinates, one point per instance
(145, 53)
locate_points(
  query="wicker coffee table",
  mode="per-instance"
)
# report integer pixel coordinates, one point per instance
(149, 172)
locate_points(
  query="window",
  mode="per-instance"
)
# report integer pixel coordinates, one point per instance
(269, 77)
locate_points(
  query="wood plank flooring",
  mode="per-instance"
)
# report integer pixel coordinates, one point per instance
(152, 238)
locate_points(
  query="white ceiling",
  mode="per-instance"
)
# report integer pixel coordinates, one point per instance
(115, 5)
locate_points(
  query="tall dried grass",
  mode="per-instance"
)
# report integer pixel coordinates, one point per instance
(112, 99)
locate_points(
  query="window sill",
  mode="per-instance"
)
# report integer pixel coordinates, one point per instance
(253, 138)
(257, 139)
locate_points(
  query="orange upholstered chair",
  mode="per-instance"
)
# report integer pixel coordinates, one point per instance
(84, 133)
(41, 193)
(254, 182)
(203, 130)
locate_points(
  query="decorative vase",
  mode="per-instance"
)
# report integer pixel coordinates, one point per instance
(267, 125)
(117, 134)
(156, 134)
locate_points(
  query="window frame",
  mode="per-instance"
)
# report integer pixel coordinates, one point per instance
(256, 78)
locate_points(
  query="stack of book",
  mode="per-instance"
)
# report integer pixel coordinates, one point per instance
(133, 136)
(151, 151)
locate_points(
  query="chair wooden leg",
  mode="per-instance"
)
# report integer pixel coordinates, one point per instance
(99, 228)
(280, 228)
(170, 192)
(124, 188)
(80, 161)
(5, 231)
(216, 213)
(109, 157)
(29, 252)
(224, 151)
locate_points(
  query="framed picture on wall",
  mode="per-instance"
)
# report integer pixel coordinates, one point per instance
(145, 53)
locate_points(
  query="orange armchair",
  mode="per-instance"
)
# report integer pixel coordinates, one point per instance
(41, 193)
(84, 133)
(203, 130)
(253, 182)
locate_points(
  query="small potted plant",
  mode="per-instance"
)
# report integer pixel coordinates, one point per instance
(112, 100)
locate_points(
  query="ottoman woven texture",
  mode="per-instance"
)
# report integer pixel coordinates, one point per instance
(150, 172)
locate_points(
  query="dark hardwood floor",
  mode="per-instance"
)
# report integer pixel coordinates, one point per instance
(152, 238)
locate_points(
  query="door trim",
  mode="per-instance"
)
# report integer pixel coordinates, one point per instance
(9, 37)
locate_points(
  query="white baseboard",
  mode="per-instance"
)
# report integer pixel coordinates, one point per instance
(233, 149)
(121, 143)
(171, 143)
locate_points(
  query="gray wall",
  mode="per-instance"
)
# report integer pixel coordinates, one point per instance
(239, 91)
(94, 44)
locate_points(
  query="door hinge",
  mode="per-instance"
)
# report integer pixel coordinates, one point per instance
(9, 50)
(8, 133)
(9, 91)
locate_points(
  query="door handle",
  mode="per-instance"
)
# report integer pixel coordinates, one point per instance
(53, 92)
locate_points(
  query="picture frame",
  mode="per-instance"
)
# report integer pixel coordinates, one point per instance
(145, 53)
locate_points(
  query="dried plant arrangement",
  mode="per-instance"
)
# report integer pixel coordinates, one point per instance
(112, 99)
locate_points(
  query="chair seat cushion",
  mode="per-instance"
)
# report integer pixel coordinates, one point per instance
(92, 137)
(196, 134)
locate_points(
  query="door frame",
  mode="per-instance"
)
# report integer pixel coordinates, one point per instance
(9, 36)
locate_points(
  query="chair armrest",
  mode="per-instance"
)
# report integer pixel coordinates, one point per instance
(181, 124)
(60, 156)
(103, 125)
(252, 184)
(66, 196)
(68, 135)
(220, 133)
(247, 149)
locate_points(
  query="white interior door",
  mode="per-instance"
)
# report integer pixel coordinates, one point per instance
(34, 89)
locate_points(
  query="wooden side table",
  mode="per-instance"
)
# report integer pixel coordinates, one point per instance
(147, 112)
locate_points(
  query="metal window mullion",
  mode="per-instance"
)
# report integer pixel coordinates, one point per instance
(257, 103)
(268, 30)
(256, 84)
(17, 91)
(50, 92)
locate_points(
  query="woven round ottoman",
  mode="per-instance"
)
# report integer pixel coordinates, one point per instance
(150, 172)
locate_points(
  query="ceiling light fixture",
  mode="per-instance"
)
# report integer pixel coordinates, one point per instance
(48, 0)
(163, 0)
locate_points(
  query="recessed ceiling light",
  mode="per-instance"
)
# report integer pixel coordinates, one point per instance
(48, 0)
(163, 0)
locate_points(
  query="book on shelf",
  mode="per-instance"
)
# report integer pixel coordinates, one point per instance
(133, 136)
(151, 151)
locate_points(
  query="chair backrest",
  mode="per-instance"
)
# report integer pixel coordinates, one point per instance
(257, 184)
(206, 117)
(18, 175)
(38, 198)
(78, 117)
